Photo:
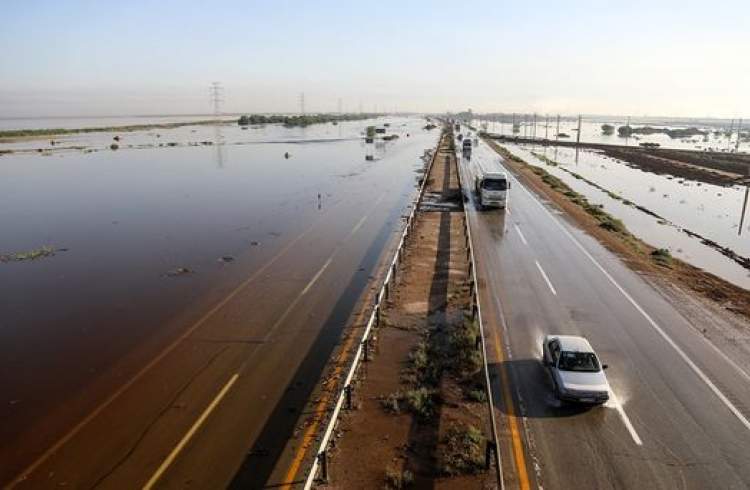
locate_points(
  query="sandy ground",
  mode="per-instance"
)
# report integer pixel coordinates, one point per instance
(431, 295)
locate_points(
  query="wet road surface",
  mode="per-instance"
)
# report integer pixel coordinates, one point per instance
(680, 410)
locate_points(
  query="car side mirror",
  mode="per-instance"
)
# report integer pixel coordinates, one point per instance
(605, 366)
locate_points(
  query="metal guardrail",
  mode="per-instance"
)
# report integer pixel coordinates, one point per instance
(320, 462)
(477, 314)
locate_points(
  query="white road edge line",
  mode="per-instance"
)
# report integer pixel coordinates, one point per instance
(523, 238)
(719, 394)
(625, 419)
(551, 287)
(186, 438)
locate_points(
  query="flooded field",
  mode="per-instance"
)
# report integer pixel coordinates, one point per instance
(142, 239)
(683, 205)
(591, 132)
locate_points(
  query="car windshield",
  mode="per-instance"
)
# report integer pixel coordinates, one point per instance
(578, 361)
(495, 184)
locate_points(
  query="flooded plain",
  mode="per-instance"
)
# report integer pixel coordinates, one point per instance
(683, 206)
(591, 132)
(146, 238)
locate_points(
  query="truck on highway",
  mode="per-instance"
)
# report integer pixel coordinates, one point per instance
(491, 184)
(466, 146)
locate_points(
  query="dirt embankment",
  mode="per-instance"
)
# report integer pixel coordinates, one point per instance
(703, 167)
(638, 255)
(419, 416)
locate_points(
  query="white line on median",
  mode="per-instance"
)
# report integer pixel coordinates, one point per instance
(719, 394)
(544, 275)
(523, 238)
(165, 464)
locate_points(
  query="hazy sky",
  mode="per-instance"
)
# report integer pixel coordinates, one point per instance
(679, 58)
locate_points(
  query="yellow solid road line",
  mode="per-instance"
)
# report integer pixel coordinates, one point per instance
(186, 438)
(515, 433)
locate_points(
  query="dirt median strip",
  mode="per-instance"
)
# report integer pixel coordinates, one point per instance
(419, 413)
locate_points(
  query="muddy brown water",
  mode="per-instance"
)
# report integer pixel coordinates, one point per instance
(78, 324)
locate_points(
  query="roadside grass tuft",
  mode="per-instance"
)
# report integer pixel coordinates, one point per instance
(396, 479)
(462, 451)
(662, 257)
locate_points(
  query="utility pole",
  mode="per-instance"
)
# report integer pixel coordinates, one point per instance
(578, 137)
(546, 127)
(302, 103)
(739, 134)
(557, 133)
(534, 133)
(216, 93)
(627, 133)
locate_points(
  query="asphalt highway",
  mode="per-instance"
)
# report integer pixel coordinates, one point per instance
(679, 416)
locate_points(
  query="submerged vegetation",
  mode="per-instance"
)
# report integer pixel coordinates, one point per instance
(301, 121)
(39, 253)
(626, 131)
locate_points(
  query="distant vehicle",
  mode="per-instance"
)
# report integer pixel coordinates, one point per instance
(490, 183)
(380, 130)
(457, 127)
(460, 137)
(466, 145)
(576, 372)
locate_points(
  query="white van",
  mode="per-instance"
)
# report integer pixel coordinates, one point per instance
(491, 185)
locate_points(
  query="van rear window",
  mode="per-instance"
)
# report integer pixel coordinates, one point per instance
(495, 184)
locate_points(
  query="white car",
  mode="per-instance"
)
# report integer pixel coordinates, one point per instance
(576, 372)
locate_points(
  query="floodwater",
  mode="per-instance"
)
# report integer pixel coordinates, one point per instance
(148, 237)
(709, 210)
(591, 132)
(94, 122)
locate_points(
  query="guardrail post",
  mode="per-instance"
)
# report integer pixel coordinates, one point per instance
(478, 342)
(473, 312)
(377, 314)
(323, 458)
(348, 390)
(366, 350)
(489, 450)
(471, 268)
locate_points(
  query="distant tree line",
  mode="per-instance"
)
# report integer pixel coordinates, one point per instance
(302, 120)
